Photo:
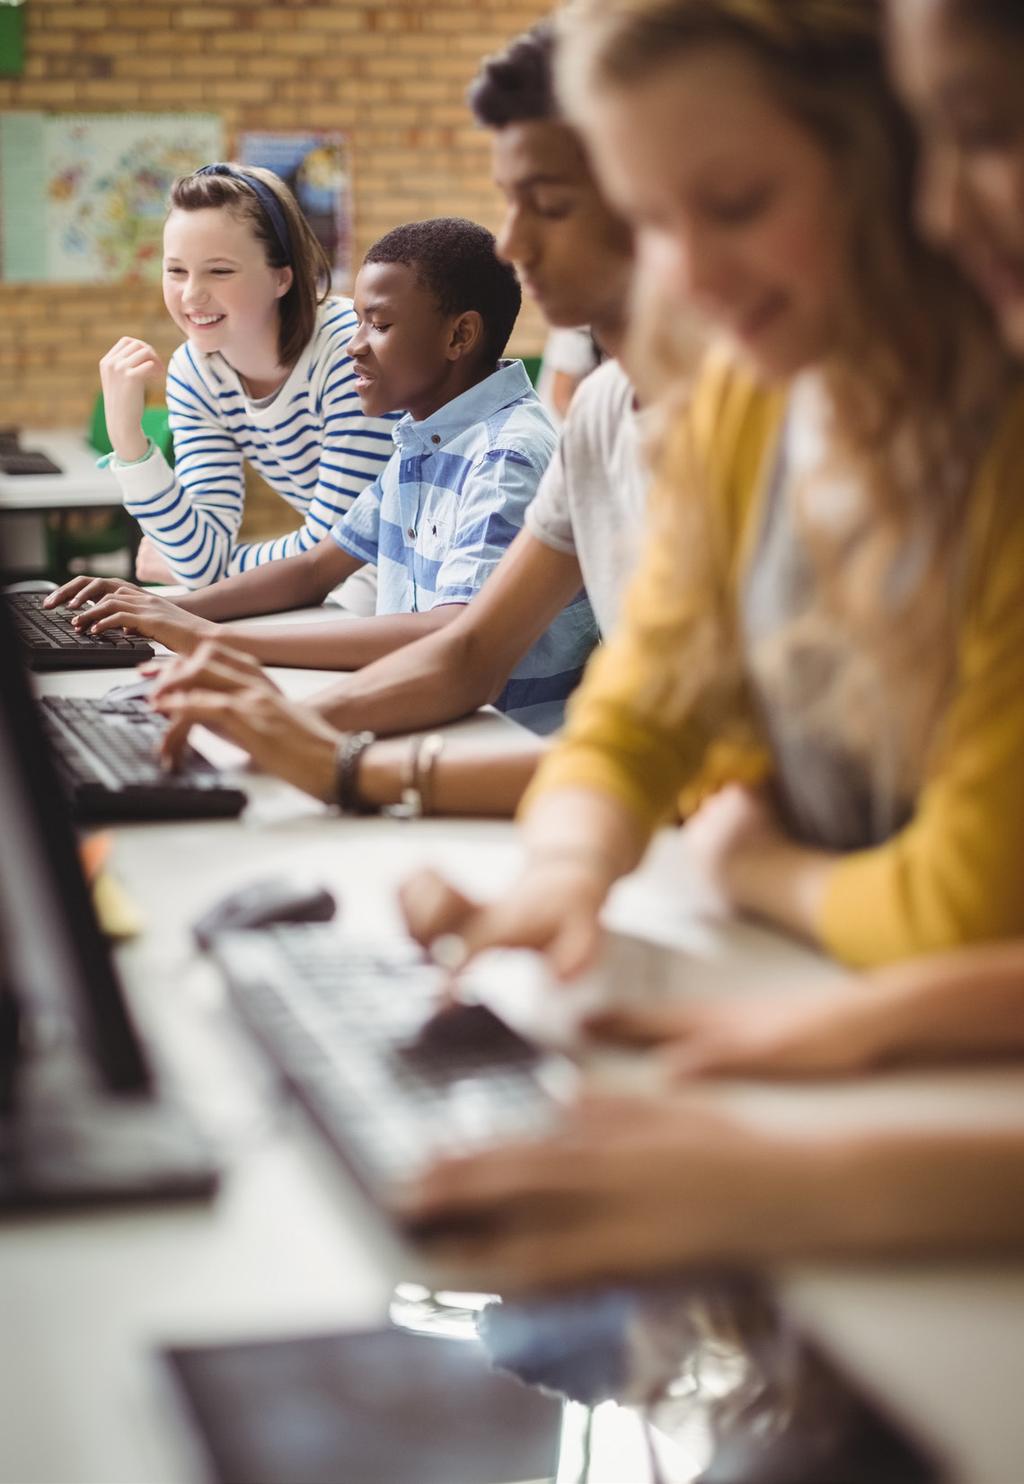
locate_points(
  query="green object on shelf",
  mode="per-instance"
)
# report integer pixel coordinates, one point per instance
(155, 425)
(12, 38)
(532, 365)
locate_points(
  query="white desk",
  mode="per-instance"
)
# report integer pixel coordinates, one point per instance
(79, 485)
(26, 498)
(287, 1247)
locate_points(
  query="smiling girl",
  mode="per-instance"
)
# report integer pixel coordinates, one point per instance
(755, 145)
(263, 377)
(834, 571)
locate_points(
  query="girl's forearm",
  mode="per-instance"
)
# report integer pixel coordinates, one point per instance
(888, 1193)
(592, 827)
(940, 1192)
(958, 1003)
(784, 883)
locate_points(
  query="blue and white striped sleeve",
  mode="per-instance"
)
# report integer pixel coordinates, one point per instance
(191, 513)
(353, 450)
(358, 531)
(490, 516)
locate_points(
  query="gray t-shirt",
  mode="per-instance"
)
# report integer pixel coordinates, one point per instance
(591, 501)
(831, 797)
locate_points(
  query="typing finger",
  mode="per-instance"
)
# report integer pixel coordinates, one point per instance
(203, 708)
(432, 907)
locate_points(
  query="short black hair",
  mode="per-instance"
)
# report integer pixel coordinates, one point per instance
(517, 85)
(458, 262)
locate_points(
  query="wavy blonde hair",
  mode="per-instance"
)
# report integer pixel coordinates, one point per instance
(913, 382)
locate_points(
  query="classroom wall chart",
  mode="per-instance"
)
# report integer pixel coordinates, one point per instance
(83, 196)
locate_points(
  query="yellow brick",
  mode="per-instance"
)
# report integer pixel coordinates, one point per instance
(241, 42)
(283, 67)
(388, 65)
(299, 44)
(43, 42)
(160, 65)
(139, 15)
(248, 90)
(420, 46)
(50, 95)
(175, 94)
(77, 18)
(209, 18)
(110, 42)
(111, 90)
(336, 18)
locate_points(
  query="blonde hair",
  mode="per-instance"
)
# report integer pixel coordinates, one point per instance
(913, 380)
(311, 269)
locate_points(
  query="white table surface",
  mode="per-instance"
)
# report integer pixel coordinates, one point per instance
(79, 485)
(287, 1247)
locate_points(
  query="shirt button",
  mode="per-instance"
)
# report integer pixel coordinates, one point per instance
(411, 532)
(435, 437)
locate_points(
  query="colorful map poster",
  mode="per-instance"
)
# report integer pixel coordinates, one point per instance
(315, 166)
(83, 196)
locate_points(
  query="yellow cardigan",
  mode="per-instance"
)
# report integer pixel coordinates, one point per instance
(955, 873)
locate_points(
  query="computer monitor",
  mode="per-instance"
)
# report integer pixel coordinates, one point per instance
(56, 957)
(70, 1097)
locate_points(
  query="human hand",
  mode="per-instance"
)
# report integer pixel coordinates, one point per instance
(629, 1187)
(150, 566)
(213, 666)
(290, 741)
(554, 908)
(124, 371)
(788, 1035)
(145, 613)
(81, 590)
(728, 828)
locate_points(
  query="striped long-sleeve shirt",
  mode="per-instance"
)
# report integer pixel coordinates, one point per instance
(311, 442)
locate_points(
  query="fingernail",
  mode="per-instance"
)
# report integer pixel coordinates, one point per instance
(448, 951)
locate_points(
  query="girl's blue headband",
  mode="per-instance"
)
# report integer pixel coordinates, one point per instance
(266, 198)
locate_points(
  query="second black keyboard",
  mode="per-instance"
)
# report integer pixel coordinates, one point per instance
(106, 753)
(52, 644)
(342, 1018)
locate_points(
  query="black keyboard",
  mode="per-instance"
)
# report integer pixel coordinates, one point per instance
(52, 644)
(27, 461)
(342, 1019)
(106, 753)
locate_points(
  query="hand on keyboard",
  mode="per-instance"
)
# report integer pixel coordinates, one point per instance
(293, 742)
(82, 590)
(213, 667)
(554, 909)
(604, 1196)
(145, 613)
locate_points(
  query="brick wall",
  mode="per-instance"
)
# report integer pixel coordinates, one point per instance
(392, 73)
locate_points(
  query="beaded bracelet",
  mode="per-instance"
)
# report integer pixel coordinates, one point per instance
(347, 761)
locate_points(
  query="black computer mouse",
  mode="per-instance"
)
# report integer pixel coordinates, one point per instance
(274, 899)
(467, 1031)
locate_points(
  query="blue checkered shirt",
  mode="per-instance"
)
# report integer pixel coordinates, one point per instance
(443, 512)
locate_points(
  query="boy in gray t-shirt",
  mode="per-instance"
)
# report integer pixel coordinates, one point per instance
(590, 502)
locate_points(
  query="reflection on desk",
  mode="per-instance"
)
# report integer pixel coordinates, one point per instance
(288, 1247)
